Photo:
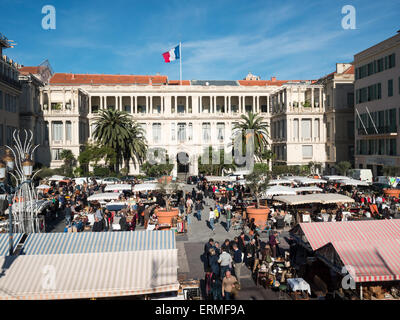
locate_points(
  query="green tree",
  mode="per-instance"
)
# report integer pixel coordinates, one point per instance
(113, 130)
(93, 154)
(69, 162)
(258, 181)
(135, 146)
(259, 134)
(342, 167)
(161, 168)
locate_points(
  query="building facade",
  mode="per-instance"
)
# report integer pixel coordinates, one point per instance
(10, 91)
(339, 115)
(377, 106)
(297, 124)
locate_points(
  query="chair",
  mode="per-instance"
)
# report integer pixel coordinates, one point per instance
(325, 216)
(306, 218)
(282, 292)
(288, 219)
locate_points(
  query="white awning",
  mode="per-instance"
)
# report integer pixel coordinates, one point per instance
(37, 205)
(324, 198)
(353, 182)
(333, 178)
(89, 275)
(118, 187)
(145, 187)
(307, 189)
(104, 196)
(306, 180)
(278, 190)
(280, 181)
(57, 178)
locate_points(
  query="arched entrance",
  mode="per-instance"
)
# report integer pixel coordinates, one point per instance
(182, 160)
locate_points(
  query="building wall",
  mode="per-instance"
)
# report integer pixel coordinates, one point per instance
(10, 89)
(378, 145)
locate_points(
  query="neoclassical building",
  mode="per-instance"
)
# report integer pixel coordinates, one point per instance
(184, 118)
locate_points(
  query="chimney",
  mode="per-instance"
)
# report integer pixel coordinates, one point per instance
(273, 78)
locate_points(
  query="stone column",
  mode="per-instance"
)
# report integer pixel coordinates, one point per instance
(312, 98)
(132, 107)
(151, 104)
(229, 106)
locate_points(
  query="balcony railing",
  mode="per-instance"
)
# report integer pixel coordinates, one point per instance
(381, 130)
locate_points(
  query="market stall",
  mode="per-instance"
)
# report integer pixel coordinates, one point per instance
(277, 190)
(105, 196)
(118, 187)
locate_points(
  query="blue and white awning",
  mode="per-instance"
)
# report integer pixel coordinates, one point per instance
(4, 243)
(98, 242)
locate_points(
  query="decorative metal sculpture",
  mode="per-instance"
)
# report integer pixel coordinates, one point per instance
(24, 209)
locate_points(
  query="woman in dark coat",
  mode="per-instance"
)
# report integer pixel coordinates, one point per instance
(213, 262)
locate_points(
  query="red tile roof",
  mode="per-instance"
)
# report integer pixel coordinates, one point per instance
(177, 82)
(265, 82)
(106, 79)
(349, 70)
(28, 70)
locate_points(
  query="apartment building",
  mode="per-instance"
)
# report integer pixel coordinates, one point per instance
(377, 106)
(339, 115)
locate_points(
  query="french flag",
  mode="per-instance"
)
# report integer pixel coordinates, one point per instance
(172, 54)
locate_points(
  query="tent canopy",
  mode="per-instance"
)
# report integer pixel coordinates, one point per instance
(105, 196)
(118, 187)
(352, 182)
(365, 261)
(307, 189)
(334, 178)
(145, 187)
(278, 190)
(91, 265)
(324, 198)
(306, 180)
(57, 178)
(280, 181)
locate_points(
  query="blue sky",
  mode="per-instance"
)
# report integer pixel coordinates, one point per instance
(222, 39)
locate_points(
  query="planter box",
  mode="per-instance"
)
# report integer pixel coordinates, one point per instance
(260, 215)
(165, 217)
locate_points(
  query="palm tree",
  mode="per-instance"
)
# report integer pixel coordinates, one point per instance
(136, 146)
(113, 129)
(259, 133)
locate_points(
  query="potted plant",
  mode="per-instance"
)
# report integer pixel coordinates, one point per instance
(258, 181)
(167, 214)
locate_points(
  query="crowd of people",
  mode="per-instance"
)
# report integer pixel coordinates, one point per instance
(223, 263)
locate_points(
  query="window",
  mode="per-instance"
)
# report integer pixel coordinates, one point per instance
(307, 152)
(264, 108)
(295, 129)
(68, 131)
(350, 99)
(1, 99)
(127, 108)
(220, 131)
(392, 147)
(156, 132)
(57, 131)
(181, 132)
(390, 88)
(173, 131)
(316, 128)
(190, 134)
(206, 128)
(95, 109)
(181, 108)
(56, 154)
(392, 60)
(306, 129)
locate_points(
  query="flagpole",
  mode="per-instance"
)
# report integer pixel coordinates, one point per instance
(180, 62)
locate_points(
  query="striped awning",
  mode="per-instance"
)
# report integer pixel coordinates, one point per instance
(4, 242)
(367, 261)
(98, 242)
(321, 233)
(89, 275)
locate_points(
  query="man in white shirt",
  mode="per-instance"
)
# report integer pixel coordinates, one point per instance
(211, 218)
(225, 261)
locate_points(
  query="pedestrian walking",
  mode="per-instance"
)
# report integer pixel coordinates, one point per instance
(211, 218)
(237, 261)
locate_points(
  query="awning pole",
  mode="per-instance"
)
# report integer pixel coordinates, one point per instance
(361, 292)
